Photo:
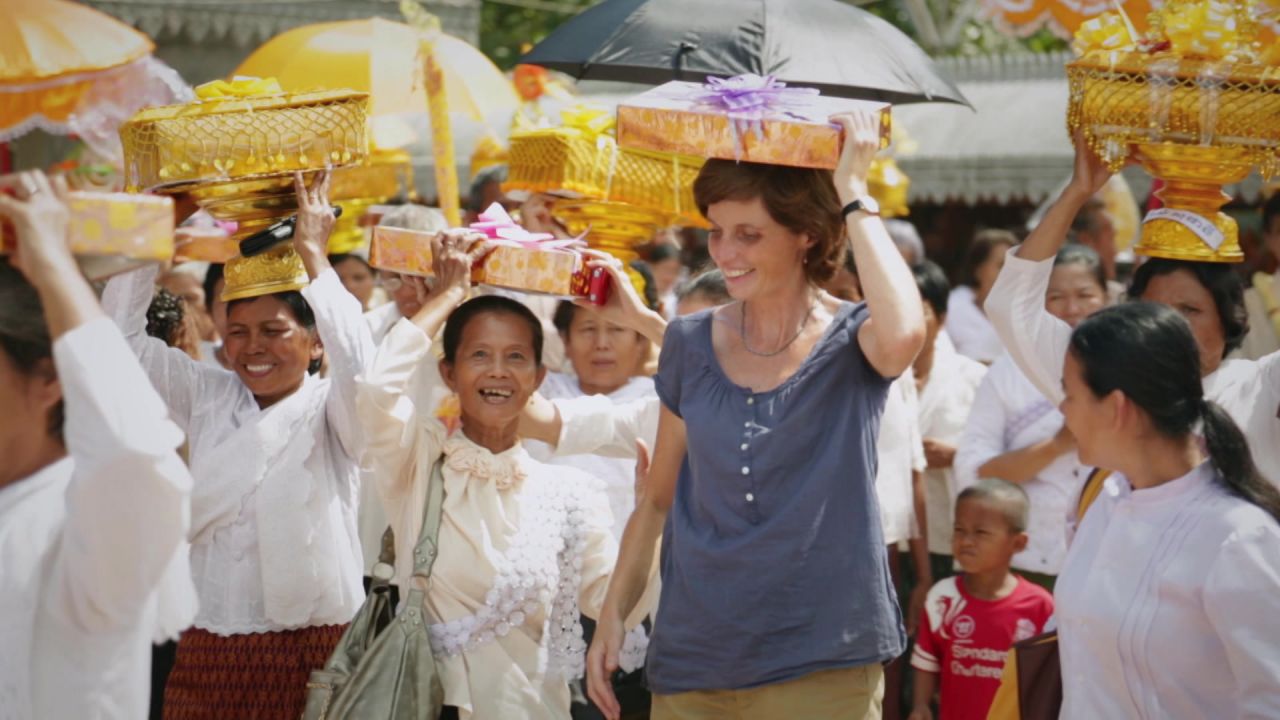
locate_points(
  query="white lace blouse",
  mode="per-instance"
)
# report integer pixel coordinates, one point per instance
(524, 547)
(618, 474)
(92, 564)
(274, 539)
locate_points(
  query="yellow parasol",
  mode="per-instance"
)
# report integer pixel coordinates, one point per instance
(52, 52)
(385, 59)
(380, 57)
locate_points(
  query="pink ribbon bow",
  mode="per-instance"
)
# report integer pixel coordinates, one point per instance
(498, 226)
(748, 100)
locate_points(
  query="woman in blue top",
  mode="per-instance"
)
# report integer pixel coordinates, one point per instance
(776, 599)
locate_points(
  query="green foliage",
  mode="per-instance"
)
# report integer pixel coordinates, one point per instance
(976, 37)
(982, 38)
(506, 27)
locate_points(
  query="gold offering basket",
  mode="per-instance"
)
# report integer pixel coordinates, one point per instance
(236, 155)
(1197, 125)
(382, 177)
(567, 161)
(612, 227)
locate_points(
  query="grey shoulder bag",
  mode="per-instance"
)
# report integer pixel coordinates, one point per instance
(383, 669)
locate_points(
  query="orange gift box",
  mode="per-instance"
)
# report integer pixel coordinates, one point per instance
(116, 231)
(209, 245)
(533, 270)
(684, 118)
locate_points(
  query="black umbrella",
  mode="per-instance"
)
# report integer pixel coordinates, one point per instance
(840, 49)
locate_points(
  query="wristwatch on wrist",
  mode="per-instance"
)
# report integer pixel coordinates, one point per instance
(866, 204)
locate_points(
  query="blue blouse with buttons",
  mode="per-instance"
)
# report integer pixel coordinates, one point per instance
(773, 558)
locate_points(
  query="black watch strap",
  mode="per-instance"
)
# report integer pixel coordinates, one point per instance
(852, 207)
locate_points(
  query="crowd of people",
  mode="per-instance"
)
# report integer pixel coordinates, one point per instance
(810, 480)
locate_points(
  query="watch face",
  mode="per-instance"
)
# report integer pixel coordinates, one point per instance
(870, 205)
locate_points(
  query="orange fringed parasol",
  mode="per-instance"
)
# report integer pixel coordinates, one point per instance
(52, 52)
(1064, 17)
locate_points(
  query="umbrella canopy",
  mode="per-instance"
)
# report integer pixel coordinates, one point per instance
(52, 52)
(380, 57)
(842, 50)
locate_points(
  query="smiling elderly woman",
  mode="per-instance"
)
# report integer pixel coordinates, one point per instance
(524, 547)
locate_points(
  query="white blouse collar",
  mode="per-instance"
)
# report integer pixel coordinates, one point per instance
(247, 407)
(506, 469)
(1174, 489)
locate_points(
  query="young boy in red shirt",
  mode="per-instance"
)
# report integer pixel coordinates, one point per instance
(971, 620)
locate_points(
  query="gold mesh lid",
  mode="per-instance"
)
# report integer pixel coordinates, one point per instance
(229, 138)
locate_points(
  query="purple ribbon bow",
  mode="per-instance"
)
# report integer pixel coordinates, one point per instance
(748, 100)
(498, 226)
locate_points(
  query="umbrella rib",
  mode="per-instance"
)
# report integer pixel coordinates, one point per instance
(768, 64)
(613, 36)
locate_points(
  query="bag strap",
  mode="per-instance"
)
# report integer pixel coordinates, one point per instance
(384, 571)
(424, 553)
(1091, 490)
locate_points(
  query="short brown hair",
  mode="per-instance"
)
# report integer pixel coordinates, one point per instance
(985, 242)
(803, 200)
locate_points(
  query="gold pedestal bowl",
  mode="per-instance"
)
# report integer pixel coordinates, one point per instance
(613, 227)
(382, 177)
(1196, 125)
(253, 204)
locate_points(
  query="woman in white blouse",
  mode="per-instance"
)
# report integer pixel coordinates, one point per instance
(1014, 433)
(524, 547)
(93, 496)
(1209, 295)
(947, 383)
(274, 450)
(605, 357)
(967, 324)
(1167, 602)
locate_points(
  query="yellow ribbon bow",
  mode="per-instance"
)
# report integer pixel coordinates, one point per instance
(1107, 32)
(238, 88)
(1205, 30)
(592, 121)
